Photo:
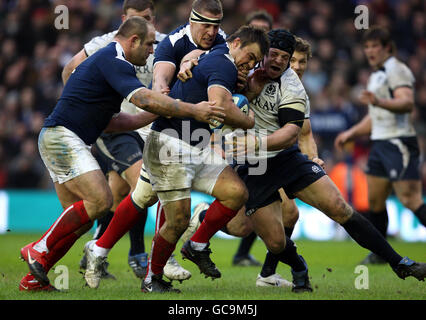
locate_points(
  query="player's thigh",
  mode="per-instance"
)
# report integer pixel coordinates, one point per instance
(409, 192)
(290, 212)
(240, 225)
(144, 196)
(379, 189)
(324, 195)
(267, 223)
(93, 188)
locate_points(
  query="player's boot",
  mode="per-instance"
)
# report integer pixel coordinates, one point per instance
(194, 223)
(95, 266)
(301, 280)
(139, 264)
(373, 258)
(30, 283)
(174, 271)
(105, 272)
(37, 263)
(158, 285)
(201, 259)
(407, 267)
(274, 280)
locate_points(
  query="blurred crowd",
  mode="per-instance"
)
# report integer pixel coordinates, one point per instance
(33, 53)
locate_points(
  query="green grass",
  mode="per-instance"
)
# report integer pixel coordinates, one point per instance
(331, 267)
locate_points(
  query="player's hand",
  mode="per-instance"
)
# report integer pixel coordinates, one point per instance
(241, 144)
(368, 97)
(207, 111)
(165, 91)
(319, 162)
(341, 139)
(242, 80)
(185, 69)
(257, 81)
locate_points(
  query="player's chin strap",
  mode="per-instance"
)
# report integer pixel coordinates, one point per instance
(199, 18)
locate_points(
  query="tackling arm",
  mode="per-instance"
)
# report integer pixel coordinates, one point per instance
(72, 64)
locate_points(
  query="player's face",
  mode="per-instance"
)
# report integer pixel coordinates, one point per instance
(375, 53)
(147, 14)
(247, 57)
(143, 49)
(276, 62)
(204, 34)
(299, 63)
(261, 24)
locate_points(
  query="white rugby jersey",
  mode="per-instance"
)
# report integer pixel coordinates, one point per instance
(387, 124)
(144, 73)
(288, 92)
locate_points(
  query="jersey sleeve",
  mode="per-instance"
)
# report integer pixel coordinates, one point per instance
(99, 42)
(224, 76)
(121, 76)
(399, 75)
(165, 52)
(293, 96)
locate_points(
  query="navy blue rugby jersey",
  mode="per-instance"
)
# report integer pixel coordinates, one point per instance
(215, 68)
(94, 92)
(178, 44)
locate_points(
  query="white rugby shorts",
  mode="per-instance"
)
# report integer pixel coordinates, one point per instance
(64, 154)
(173, 164)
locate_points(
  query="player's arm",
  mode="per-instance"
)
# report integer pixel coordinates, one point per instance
(234, 116)
(162, 76)
(188, 62)
(72, 64)
(360, 129)
(165, 106)
(291, 121)
(402, 101)
(130, 122)
(307, 143)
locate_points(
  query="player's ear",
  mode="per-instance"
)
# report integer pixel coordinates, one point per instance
(123, 17)
(236, 43)
(135, 41)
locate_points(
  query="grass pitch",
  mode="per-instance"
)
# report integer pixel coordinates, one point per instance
(331, 267)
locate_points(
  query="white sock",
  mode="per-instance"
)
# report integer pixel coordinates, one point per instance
(99, 251)
(198, 246)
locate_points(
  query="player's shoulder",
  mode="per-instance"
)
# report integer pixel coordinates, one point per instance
(290, 83)
(99, 42)
(180, 34)
(219, 57)
(395, 66)
(160, 36)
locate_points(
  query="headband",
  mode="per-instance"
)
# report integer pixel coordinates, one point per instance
(199, 18)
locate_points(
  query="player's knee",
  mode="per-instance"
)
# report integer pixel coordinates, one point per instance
(239, 194)
(275, 245)
(291, 216)
(342, 210)
(144, 196)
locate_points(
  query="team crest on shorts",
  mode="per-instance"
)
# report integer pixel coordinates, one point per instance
(316, 169)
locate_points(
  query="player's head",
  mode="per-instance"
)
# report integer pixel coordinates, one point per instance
(260, 19)
(378, 45)
(301, 55)
(248, 45)
(205, 19)
(141, 8)
(137, 37)
(282, 43)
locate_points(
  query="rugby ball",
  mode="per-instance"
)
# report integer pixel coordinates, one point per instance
(241, 102)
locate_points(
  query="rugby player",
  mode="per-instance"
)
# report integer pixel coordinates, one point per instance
(120, 154)
(393, 162)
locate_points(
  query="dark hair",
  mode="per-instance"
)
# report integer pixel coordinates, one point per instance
(211, 6)
(134, 25)
(260, 15)
(303, 46)
(380, 34)
(138, 5)
(249, 35)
